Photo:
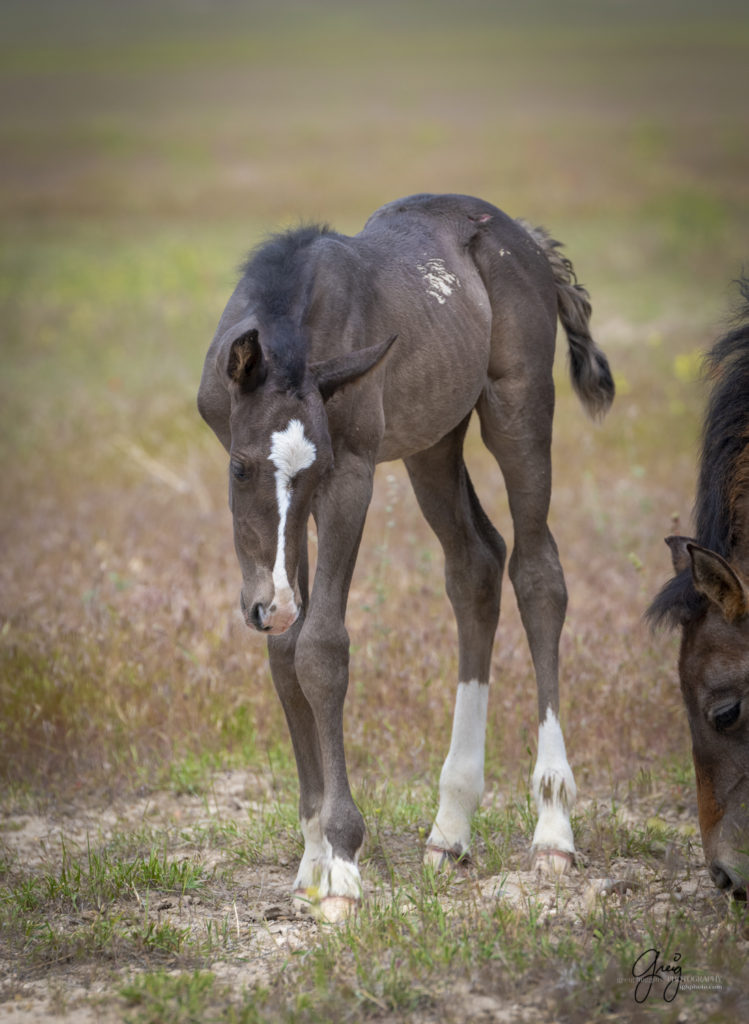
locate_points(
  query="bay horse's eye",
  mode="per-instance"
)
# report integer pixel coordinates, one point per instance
(725, 717)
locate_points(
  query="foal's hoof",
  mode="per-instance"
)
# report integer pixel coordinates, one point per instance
(326, 908)
(552, 862)
(438, 858)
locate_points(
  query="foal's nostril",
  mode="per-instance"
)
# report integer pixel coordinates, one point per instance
(258, 617)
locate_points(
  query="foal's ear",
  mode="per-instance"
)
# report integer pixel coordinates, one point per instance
(715, 578)
(245, 363)
(332, 374)
(680, 552)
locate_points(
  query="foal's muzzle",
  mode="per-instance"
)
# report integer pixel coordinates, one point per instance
(273, 619)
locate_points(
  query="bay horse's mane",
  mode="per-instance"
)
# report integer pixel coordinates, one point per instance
(272, 275)
(724, 466)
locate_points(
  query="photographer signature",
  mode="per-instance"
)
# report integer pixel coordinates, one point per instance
(647, 969)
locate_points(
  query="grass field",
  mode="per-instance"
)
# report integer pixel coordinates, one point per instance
(148, 835)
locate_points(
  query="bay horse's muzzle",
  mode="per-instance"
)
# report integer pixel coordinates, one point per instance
(728, 880)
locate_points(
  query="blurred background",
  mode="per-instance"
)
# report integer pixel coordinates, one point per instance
(144, 149)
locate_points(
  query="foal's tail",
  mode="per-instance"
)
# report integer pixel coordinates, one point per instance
(589, 367)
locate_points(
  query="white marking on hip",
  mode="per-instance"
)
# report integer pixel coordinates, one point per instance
(440, 282)
(462, 776)
(553, 788)
(291, 451)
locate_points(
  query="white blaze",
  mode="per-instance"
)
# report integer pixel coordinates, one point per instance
(439, 281)
(291, 451)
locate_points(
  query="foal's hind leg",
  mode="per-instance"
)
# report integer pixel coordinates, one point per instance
(474, 561)
(516, 413)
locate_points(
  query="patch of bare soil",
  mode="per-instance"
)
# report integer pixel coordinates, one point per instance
(254, 907)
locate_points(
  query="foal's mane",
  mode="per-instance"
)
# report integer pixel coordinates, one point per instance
(724, 466)
(275, 282)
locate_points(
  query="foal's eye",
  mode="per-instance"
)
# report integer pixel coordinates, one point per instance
(727, 716)
(238, 471)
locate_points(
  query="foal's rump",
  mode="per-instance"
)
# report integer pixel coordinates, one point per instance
(489, 287)
(530, 283)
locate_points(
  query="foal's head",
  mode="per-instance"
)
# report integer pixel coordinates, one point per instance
(280, 452)
(714, 672)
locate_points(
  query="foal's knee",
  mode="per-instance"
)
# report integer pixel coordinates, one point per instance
(281, 653)
(321, 661)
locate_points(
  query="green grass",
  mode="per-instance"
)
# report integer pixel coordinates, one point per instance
(75, 911)
(162, 996)
(419, 940)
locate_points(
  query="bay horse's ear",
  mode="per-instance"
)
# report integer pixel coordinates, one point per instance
(680, 552)
(245, 364)
(332, 374)
(715, 578)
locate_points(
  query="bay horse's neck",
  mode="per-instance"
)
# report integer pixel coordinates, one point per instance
(738, 503)
(722, 507)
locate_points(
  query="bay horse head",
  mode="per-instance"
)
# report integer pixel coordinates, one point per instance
(708, 599)
(714, 675)
(276, 432)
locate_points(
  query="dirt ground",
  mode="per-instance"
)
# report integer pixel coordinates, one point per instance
(257, 905)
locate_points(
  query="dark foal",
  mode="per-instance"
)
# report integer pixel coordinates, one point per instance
(709, 600)
(337, 353)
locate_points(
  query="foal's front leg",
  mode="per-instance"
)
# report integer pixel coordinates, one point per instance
(329, 877)
(304, 738)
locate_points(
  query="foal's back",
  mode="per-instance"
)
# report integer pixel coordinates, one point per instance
(474, 298)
